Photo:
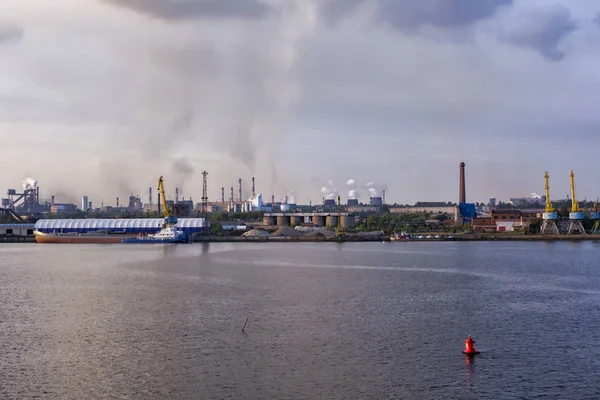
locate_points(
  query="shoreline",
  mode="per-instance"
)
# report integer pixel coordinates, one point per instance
(283, 239)
(456, 238)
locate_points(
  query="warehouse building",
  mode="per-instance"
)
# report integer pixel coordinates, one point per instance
(132, 225)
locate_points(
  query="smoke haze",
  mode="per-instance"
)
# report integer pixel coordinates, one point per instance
(101, 97)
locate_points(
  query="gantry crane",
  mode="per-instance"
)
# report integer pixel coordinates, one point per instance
(170, 219)
(595, 216)
(576, 215)
(550, 215)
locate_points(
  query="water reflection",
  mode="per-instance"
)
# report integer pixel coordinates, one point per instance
(470, 371)
(204, 247)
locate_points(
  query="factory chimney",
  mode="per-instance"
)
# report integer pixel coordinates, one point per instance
(176, 195)
(150, 195)
(52, 201)
(462, 196)
(253, 188)
(240, 189)
(223, 195)
(272, 199)
(158, 203)
(231, 199)
(286, 200)
(383, 199)
(117, 202)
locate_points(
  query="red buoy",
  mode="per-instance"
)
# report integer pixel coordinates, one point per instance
(470, 347)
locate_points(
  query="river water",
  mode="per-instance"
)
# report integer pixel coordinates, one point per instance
(325, 321)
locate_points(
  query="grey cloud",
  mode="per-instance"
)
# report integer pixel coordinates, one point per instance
(541, 28)
(10, 32)
(190, 9)
(410, 15)
(443, 13)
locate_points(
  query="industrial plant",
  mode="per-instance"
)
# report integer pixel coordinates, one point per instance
(519, 214)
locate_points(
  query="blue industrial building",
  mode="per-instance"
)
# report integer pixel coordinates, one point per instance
(467, 212)
(134, 225)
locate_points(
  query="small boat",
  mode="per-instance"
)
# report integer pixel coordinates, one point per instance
(399, 237)
(168, 234)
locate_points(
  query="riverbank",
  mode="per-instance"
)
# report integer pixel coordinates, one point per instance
(455, 238)
(284, 239)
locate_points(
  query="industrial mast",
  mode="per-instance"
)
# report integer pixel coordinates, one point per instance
(339, 231)
(204, 194)
(576, 215)
(550, 216)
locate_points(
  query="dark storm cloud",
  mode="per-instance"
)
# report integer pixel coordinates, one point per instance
(408, 15)
(444, 13)
(190, 9)
(10, 32)
(541, 28)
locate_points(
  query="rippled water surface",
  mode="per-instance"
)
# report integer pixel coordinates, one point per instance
(326, 321)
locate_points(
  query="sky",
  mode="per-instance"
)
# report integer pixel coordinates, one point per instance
(101, 97)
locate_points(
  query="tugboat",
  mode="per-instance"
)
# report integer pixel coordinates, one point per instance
(169, 232)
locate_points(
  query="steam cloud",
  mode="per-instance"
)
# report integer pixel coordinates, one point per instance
(29, 183)
(329, 191)
(353, 194)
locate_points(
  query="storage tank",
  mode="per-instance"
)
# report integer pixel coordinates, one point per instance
(318, 220)
(283, 221)
(268, 221)
(332, 221)
(347, 221)
(296, 220)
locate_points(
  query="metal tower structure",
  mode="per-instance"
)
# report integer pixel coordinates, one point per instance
(576, 214)
(204, 194)
(550, 216)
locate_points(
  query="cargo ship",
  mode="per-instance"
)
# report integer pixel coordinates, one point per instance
(76, 237)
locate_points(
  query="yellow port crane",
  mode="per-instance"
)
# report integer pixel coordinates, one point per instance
(338, 230)
(576, 214)
(549, 208)
(168, 211)
(574, 204)
(550, 216)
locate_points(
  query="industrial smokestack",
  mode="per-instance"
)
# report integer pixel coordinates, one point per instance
(253, 188)
(176, 195)
(52, 200)
(462, 196)
(117, 202)
(231, 198)
(286, 200)
(383, 199)
(158, 203)
(222, 195)
(150, 195)
(273, 199)
(240, 189)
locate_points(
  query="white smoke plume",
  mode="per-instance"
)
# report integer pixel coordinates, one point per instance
(330, 192)
(353, 193)
(375, 189)
(29, 183)
(291, 198)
